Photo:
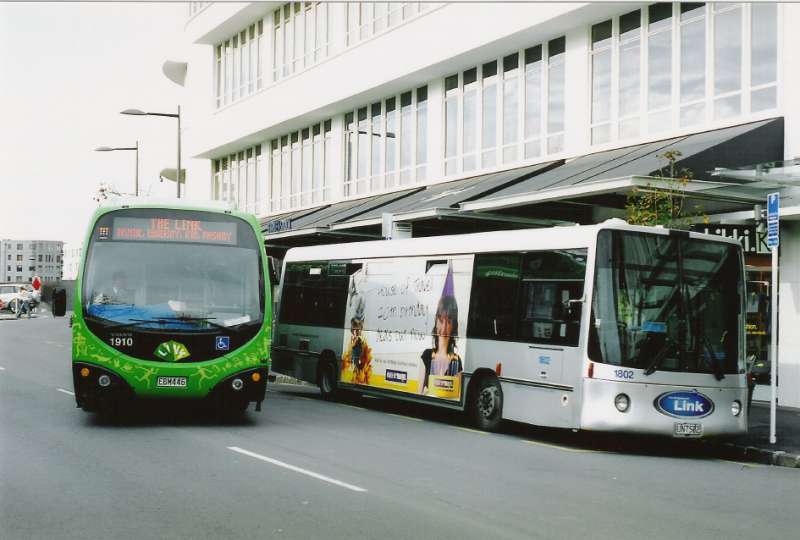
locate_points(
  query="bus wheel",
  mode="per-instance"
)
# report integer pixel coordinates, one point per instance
(486, 404)
(234, 410)
(327, 380)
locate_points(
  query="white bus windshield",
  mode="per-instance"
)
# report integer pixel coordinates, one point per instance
(666, 303)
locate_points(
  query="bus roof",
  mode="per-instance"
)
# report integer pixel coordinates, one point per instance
(566, 237)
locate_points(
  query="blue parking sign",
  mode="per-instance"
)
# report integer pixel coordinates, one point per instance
(773, 220)
(223, 343)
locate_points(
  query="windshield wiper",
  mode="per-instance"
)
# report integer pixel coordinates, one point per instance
(713, 359)
(658, 358)
(186, 318)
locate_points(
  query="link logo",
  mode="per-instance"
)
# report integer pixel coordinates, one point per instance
(684, 404)
(172, 351)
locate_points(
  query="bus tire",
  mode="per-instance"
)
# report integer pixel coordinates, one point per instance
(485, 404)
(327, 379)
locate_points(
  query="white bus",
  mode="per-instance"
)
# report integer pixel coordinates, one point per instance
(607, 327)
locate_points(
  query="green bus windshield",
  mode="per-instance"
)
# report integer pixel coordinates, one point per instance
(173, 270)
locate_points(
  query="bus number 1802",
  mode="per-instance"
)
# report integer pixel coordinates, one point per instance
(623, 373)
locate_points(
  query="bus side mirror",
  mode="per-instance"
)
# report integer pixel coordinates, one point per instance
(274, 266)
(59, 302)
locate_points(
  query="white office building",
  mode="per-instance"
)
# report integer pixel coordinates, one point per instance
(24, 259)
(328, 119)
(72, 260)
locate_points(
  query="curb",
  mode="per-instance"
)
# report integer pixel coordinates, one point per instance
(778, 458)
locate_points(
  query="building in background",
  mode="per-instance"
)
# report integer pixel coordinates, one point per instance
(24, 259)
(72, 260)
(331, 121)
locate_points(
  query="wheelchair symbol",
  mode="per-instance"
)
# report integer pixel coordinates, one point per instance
(223, 343)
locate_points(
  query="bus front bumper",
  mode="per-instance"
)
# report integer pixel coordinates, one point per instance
(97, 388)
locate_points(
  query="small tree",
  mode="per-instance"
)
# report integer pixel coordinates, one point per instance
(663, 204)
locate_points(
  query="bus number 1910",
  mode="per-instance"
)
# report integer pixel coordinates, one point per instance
(121, 341)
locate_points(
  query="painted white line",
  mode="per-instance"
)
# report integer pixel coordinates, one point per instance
(563, 448)
(297, 469)
(743, 464)
(404, 417)
(65, 391)
(352, 406)
(479, 432)
(2, 368)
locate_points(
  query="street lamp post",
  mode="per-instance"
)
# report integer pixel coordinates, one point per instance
(137, 112)
(136, 148)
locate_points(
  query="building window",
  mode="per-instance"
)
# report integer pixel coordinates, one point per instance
(299, 37)
(367, 19)
(238, 65)
(505, 111)
(723, 55)
(301, 170)
(601, 82)
(386, 143)
(236, 179)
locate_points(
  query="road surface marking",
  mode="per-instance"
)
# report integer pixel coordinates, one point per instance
(60, 345)
(352, 406)
(404, 417)
(65, 391)
(743, 464)
(297, 469)
(2, 368)
(558, 447)
(479, 432)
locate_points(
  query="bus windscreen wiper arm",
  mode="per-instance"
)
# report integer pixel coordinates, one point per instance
(186, 318)
(659, 357)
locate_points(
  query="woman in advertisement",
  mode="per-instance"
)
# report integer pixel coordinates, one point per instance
(442, 360)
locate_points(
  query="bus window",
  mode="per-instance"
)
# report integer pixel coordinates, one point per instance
(315, 294)
(551, 282)
(494, 292)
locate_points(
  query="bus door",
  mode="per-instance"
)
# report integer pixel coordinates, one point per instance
(551, 292)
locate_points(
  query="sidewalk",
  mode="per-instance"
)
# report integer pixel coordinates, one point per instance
(755, 445)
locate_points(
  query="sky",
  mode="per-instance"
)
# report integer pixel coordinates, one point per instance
(66, 72)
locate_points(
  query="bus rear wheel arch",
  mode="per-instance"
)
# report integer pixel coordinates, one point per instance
(485, 401)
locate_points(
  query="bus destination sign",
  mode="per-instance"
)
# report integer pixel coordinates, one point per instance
(173, 230)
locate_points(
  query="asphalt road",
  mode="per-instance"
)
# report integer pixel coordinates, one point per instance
(368, 468)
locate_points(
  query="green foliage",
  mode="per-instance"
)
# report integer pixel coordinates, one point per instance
(663, 203)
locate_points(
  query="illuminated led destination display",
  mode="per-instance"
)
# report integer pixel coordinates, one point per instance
(172, 230)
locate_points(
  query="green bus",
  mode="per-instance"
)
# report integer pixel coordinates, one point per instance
(171, 301)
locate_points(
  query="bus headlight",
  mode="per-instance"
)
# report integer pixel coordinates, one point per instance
(622, 402)
(104, 380)
(237, 384)
(736, 407)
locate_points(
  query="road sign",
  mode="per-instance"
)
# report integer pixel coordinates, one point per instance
(773, 220)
